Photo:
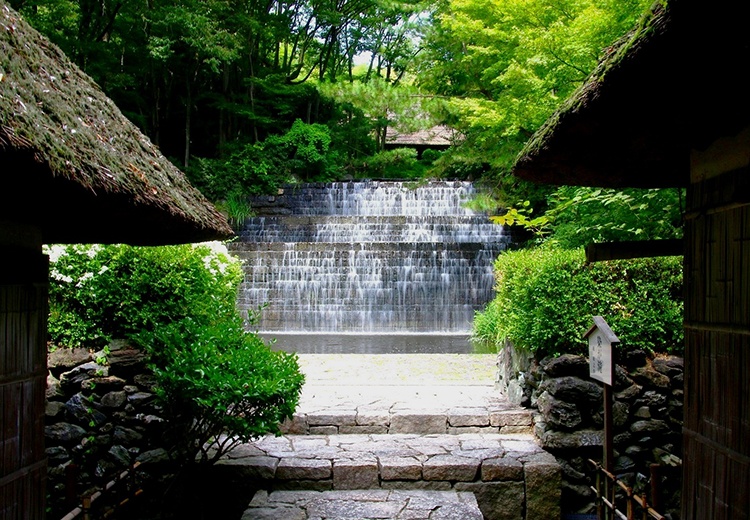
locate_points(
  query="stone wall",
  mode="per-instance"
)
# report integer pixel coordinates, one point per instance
(568, 419)
(101, 417)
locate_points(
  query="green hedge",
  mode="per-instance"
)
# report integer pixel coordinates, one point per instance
(546, 297)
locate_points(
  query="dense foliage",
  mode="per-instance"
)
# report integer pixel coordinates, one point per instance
(102, 292)
(218, 84)
(578, 216)
(218, 384)
(506, 66)
(546, 298)
(225, 81)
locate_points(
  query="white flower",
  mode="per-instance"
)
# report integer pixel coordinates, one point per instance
(55, 252)
(61, 277)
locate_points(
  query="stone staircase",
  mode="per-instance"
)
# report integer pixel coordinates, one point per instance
(390, 451)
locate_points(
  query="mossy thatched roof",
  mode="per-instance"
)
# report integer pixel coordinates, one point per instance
(674, 83)
(74, 166)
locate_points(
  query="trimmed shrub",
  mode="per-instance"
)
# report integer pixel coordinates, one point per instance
(546, 297)
(219, 385)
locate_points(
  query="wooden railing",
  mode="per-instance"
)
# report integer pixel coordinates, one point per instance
(122, 485)
(610, 491)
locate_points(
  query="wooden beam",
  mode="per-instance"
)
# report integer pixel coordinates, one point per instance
(634, 249)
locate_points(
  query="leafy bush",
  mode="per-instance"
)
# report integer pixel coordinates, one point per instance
(218, 384)
(100, 292)
(304, 152)
(546, 298)
(430, 155)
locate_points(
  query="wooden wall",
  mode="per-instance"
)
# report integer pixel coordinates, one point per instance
(716, 482)
(23, 376)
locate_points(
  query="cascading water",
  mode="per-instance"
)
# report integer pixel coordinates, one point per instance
(368, 257)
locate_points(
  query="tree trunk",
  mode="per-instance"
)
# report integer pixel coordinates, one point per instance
(188, 113)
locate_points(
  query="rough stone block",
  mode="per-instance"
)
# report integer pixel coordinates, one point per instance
(245, 450)
(373, 418)
(562, 440)
(333, 418)
(274, 513)
(363, 429)
(254, 467)
(410, 485)
(510, 430)
(558, 413)
(502, 468)
(500, 500)
(457, 512)
(468, 417)
(306, 442)
(359, 473)
(542, 475)
(502, 418)
(303, 469)
(296, 425)
(324, 430)
(572, 389)
(418, 423)
(451, 468)
(352, 509)
(400, 468)
(458, 430)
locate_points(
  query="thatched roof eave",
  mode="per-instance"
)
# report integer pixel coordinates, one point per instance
(669, 86)
(60, 135)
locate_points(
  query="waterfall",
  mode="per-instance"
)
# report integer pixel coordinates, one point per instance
(368, 257)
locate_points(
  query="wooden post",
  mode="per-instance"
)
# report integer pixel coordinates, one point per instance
(609, 433)
(602, 368)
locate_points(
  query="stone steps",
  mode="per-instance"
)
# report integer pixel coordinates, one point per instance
(399, 437)
(406, 505)
(510, 475)
(335, 410)
(401, 421)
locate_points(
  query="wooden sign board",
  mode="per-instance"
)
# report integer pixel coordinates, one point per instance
(601, 340)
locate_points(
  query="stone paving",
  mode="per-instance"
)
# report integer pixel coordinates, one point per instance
(393, 450)
(413, 505)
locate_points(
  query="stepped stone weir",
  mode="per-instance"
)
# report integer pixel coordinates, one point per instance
(368, 257)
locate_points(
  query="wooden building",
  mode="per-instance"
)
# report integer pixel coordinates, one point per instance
(72, 170)
(438, 137)
(670, 106)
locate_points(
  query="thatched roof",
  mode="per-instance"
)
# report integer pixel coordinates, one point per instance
(73, 165)
(676, 82)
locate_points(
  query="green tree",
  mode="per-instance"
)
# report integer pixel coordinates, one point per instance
(386, 105)
(506, 66)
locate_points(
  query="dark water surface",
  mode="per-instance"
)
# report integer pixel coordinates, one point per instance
(319, 343)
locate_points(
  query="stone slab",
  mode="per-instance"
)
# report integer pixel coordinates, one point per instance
(374, 504)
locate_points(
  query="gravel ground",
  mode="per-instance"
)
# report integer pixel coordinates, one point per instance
(399, 369)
